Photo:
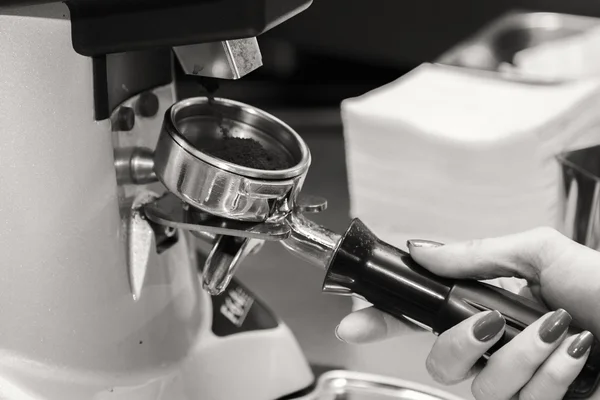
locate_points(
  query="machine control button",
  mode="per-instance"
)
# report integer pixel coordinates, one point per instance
(147, 105)
(123, 120)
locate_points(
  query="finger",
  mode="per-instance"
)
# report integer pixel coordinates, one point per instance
(553, 378)
(512, 366)
(457, 350)
(520, 255)
(371, 325)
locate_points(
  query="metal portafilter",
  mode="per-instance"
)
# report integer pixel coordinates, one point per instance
(236, 208)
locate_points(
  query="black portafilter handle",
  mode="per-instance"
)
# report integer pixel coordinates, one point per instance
(389, 279)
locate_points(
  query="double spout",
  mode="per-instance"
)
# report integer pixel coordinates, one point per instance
(307, 240)
(233, 241)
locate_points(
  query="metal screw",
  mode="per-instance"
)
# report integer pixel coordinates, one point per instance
(147, 105)
(123, 120)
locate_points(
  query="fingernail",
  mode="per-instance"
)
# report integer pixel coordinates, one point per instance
(581, 345)
(488, 326)
(423, 243)
(555, 326)
(337, 335)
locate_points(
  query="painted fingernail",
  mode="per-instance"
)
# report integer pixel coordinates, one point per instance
(422, 243)
(488, 326)
(555, 326)
(337, 335)
(581, 345)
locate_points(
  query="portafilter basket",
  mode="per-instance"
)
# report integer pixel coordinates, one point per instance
(237, 208)
(233, 206)
(219, 187)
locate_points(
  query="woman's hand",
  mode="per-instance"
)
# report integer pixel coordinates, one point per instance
(542, 361)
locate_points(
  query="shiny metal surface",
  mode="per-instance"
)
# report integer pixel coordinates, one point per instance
(581, 173)
(346, 385)
(223, 261)
(170, 211)
(193, 121)
(219, 187)
(230, 195)
(230, 59)
(135, 166)
(498, 43)
(232, 240)
(140, 243)
(310, 241)
(307, 203)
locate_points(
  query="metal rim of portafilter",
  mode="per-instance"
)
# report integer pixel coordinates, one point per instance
(237, 208)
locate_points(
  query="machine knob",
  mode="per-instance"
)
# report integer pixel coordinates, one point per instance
(147, 105)
(123, 120)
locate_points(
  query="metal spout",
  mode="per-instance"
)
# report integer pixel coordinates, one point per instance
(223, 261)
(310, 241)
(230, 59)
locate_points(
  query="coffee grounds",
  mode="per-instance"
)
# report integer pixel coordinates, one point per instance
(244, 152)
(247, 153)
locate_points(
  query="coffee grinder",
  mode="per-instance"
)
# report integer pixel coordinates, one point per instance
(96, 302)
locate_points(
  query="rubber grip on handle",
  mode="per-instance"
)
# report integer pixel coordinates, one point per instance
(389, 279)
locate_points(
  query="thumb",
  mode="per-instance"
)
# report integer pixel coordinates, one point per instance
(522, 255)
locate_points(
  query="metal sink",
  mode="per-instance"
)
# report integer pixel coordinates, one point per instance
(346, 385)
(498, 43)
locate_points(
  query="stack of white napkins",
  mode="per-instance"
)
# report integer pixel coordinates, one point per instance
(444, 154)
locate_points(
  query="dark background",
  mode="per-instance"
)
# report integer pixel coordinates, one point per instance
(401, 32)
(342, 48)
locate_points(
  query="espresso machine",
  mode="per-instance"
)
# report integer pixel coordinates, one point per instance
(110, 190)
